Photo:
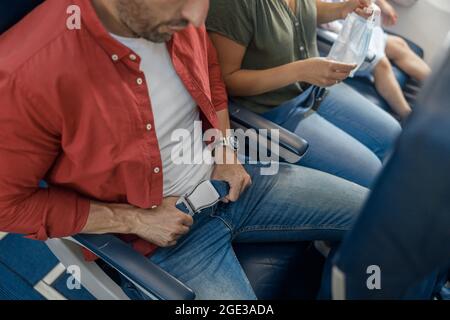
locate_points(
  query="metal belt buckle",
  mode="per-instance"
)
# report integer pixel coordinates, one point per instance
(187, 204)
(204, 195)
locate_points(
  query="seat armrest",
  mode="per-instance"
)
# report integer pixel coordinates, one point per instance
(148, 277)
(326, 37)
(288, 141)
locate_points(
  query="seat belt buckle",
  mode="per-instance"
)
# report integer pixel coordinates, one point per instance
(184, 205)
(206, 194)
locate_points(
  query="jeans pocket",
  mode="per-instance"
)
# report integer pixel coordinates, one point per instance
(215, 210)
(212, 211)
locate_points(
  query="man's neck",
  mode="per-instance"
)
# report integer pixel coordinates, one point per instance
(109, 16)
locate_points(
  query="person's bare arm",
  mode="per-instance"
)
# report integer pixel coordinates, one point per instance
(241, 82)
(162, 226)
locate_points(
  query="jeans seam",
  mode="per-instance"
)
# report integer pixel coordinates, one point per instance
(364, 129)
(287, 228)
(359, 126)
(228, 225)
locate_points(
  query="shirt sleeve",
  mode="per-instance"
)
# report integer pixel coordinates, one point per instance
(217, 84)
(232, 19)
(29, 146)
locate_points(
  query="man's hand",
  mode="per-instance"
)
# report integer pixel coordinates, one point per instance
(322, 72)
(390, 16)
(229, 169)
(162, 226)
(358, 6)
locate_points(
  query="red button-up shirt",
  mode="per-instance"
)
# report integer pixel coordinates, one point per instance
(75, 111)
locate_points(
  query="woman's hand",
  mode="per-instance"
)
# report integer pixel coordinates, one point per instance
(360, 7)
(322, 72)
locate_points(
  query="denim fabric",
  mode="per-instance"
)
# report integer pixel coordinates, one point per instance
(297, 204)
(297, 107)
(349, 136)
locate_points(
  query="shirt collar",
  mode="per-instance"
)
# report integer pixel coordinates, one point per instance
(113, 47)
(92, 22)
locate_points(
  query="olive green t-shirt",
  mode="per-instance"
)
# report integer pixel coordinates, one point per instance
(273, 34)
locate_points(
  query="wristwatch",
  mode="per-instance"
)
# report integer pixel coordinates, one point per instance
(230, 142)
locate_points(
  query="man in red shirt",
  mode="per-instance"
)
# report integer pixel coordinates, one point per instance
(90, 108)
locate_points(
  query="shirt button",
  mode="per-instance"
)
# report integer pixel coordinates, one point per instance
(156, 170)
(297, 24)
(149, 127)
(302, 48)
(139, 81)
(133, 57)
(115, 57)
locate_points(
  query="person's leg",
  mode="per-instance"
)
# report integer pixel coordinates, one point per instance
(205, 261)
(296, 204)
(388, 87)
(334, 151)
(360, 118)
(407, 60)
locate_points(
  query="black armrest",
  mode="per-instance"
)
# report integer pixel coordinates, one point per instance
(293, 146)
(323, 37)
(148, 276)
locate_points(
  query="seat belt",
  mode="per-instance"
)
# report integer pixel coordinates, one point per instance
(206, 194)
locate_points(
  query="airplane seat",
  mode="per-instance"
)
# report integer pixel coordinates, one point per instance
(364, 84)
(283, 270)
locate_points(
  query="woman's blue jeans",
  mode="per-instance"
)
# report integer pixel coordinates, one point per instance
(349, 136)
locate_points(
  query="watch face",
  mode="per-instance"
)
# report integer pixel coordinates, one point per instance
(233, 142)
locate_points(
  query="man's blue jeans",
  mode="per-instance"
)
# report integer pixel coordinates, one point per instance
(349, 136)
(297, 204)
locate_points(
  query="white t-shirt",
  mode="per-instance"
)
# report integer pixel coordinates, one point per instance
(173, 108)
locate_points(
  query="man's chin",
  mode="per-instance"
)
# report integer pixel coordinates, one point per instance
(159, 38)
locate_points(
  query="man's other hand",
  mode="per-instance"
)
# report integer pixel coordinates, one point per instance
(229, 169)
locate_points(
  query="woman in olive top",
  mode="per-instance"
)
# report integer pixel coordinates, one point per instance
(269, 57)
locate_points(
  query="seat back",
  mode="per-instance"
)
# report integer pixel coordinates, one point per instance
(12, 12)
(405, 226)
